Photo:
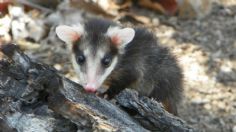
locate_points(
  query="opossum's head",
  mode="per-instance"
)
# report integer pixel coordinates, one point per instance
(95, 50)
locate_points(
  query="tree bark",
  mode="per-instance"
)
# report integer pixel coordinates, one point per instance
(35, 97)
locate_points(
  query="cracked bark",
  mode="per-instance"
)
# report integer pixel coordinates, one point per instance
(35, 97)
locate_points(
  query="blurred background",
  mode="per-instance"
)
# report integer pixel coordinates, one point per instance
(201, 33)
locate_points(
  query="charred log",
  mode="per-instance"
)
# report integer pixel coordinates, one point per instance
(35, 97)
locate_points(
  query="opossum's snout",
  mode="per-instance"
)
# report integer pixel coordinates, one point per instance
(91, 87)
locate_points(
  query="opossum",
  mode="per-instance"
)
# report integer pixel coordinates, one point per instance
(106, 53)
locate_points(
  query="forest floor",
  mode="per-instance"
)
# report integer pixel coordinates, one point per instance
(206, 50)
(207, 53)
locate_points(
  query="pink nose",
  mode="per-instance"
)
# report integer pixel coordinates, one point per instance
(90, 88)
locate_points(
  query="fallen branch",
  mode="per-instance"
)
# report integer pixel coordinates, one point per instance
(150, 113)
(34, 96)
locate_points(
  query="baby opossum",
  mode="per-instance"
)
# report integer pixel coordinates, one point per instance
(105, 53)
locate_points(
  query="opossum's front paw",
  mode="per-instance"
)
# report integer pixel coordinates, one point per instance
(102, 95)
(106, 96)
(102, 92)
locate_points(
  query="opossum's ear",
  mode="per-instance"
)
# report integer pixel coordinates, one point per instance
(120, 37)
(69, 34)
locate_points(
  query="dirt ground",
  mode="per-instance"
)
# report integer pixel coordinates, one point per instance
(207, 53)
(206, 50)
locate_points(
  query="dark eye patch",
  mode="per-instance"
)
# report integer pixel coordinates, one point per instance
(106, 60)
(80, 59)
(79, 55)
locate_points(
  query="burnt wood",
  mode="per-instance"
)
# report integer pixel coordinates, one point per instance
(34, 94)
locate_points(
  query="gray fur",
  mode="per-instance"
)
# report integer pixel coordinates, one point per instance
(145, 65)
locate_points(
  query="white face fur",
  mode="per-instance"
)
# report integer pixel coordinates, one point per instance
(93, 68)
(95, 73)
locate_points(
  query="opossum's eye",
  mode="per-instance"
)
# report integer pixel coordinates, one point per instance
(80, 59)
(106, 60)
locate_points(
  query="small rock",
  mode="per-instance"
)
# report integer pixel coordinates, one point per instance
(199, 101)
(156, 21)
(58, 67)
(207, 106)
